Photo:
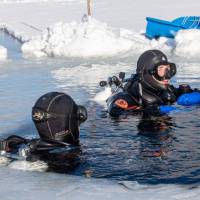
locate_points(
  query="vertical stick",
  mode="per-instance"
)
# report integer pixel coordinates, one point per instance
(89, 7)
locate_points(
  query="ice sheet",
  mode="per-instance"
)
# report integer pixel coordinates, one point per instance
(40, 185)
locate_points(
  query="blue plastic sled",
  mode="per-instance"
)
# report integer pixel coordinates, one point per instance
(159, 28)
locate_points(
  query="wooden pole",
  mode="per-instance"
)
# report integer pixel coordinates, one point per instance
(89, 7)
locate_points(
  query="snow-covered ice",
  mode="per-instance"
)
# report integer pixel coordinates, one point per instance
(40, 185)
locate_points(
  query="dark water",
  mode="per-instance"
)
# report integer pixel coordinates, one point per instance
(163, 149)
(150, 150)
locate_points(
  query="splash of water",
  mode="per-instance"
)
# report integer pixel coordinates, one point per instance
(103, 95)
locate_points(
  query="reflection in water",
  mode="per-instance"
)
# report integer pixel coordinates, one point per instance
(157, 129)
(60, 160)
(155, 126)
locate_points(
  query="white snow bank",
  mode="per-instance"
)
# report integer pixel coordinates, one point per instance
(3, 53)
(188, 43)
(90, 38)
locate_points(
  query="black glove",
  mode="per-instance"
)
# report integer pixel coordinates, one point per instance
(183, 89)
(11, 143)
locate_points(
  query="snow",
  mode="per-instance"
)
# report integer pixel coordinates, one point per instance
(188, 43)
(3, 53)
(90, 38)
(87, 39)
(32, 18)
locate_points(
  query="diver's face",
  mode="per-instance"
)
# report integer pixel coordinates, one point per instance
(162, 71)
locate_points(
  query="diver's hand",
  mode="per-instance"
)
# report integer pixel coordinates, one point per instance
(183, 89)
(196, 90)
(11, 143)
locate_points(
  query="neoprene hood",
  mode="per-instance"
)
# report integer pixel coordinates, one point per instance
(146, 69)
(57, 117)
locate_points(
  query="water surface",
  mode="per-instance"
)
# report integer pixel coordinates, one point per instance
(155, 150)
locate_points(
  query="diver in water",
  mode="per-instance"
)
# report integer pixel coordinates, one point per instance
(57, 118)
(150, 87)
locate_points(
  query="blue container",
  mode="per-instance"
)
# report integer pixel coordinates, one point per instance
(159, 28)
(189, 99)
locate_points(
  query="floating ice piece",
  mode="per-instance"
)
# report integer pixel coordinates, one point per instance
(4, 161)
(28, 166)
